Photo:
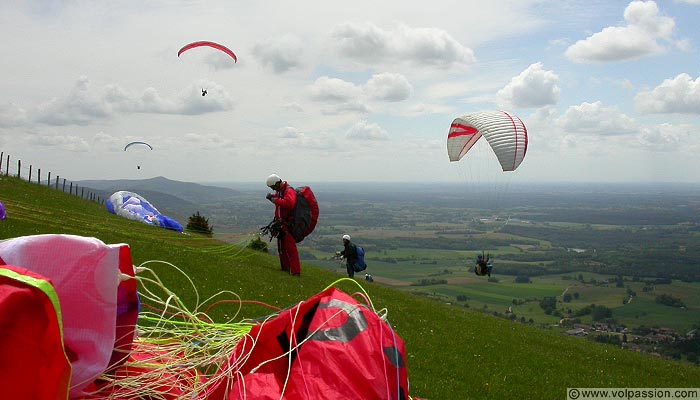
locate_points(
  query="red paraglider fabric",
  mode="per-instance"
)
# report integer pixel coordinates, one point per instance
(328, 347)
(33, 362)
(209, 44)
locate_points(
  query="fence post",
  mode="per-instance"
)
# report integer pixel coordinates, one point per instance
(7, 166)
(30, 174)
(38, 176)
(2, 155)
(71, 188)
(19, 168)
(64, 185)
(48, 180)
(56, 182)
(82, 192)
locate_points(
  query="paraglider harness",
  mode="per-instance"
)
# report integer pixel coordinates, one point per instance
(302, 220)
(274, 229)
(483, 265)
(360, 265)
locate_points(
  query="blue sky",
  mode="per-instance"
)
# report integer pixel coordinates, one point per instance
(361, 91)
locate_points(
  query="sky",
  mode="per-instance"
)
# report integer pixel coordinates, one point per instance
(350, 91)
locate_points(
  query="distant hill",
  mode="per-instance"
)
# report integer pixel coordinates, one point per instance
(178, 200)
(188, 191)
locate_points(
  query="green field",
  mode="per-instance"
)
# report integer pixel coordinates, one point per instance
(451, 352)
(450, 265)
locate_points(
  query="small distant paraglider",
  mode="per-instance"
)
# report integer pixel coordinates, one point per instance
(131, 144)
(204, 43)
(128, 145)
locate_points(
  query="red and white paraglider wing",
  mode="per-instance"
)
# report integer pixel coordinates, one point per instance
(505, 133)
(463, 134)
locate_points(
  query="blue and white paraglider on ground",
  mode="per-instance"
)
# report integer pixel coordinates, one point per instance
(132, 206)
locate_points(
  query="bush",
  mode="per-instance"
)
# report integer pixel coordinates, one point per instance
(258, 245)
(198, 224)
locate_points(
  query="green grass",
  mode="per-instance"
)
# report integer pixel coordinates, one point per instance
(452, 352)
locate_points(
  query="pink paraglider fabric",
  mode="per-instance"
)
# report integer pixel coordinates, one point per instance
(86, 275)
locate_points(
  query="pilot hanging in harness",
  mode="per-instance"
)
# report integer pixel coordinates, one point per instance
(483, 265)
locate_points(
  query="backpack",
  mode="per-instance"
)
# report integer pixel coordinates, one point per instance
(305, 214)
(360, 264)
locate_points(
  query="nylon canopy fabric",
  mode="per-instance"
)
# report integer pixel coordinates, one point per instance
(327, 347)
(33, 362)
(505, 133)
(133, 206)
(86, 275)
(209, 44)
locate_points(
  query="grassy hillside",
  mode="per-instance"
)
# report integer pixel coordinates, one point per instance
(452, 353)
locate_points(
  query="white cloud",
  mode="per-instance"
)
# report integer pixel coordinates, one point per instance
(664, 137)
(678, 95)
(289, 132)
(209, 141)
(534, 87)
(639, 37)
(293, 106)
(12, 115)
(334, 90)
(596, 119)
(85, 104)
(80, 107)
(64, 142)
(319, 141)
(281, 54)
(370, 44)
(113, 143)
(389, 87)
(367, 131)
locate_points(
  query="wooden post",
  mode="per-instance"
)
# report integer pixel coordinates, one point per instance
(30, 174)
(71, 188)
(56, 182)
(82, 192)
(48, 180)
(64, 185)
(7, 166)
(38, 176)
(2, 155)
(19, 167)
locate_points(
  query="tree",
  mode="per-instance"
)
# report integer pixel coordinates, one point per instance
(197, 223)
(669, 300)
(600, 313)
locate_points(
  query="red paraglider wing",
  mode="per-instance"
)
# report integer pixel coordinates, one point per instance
(210, 44)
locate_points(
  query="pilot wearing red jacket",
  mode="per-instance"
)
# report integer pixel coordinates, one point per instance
(284, 199)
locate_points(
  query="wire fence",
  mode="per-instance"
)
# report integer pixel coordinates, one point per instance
(31, 174)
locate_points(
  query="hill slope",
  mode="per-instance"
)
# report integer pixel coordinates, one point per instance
(188, 191)
(178, 200)
(452, 353)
